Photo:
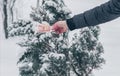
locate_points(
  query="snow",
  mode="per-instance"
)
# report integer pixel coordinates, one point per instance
(50, 3)
(57, 56)
(109, 37)
(43, 69)
(65, 10)
(44, 58)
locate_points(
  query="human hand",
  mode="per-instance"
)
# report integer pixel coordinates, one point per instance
(42, 28)
(60, 27)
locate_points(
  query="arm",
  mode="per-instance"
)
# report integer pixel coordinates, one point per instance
(100, 14)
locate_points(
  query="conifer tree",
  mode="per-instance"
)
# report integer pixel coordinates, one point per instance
(50, 54)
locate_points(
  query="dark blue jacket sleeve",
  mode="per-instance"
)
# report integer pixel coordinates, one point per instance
(100, 14)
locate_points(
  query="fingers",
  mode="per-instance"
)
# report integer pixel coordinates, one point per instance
(57, 28)
(43, 28)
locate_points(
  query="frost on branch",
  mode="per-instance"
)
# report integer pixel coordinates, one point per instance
(86, 57)
(50, 54)
(20, 27)
(39, 14)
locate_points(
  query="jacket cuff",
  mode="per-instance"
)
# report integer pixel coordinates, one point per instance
(70, 24)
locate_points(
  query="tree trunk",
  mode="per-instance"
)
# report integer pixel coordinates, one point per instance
(5, 18)
(12, 3)
(38, 1)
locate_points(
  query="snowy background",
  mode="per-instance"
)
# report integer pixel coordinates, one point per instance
(109, 37)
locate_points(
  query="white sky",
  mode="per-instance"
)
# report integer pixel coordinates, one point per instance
(109, 37)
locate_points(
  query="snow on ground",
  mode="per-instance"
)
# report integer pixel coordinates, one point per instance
(109, 37)
(8, 55)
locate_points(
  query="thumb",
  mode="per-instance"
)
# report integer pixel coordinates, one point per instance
(57, 29)
(52, 28)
